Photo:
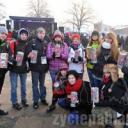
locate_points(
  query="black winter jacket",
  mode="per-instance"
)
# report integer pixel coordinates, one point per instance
(84, 96)
(19, 46)
(101, 61)
(40, 47)
(113, 98)
(5, 48)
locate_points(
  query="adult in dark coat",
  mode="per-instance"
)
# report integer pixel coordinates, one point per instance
(4, 49)
(113, 91)
(38, 66)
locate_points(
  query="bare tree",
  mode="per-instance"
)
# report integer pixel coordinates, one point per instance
(80, 14)
(2, 12)
(38, 8)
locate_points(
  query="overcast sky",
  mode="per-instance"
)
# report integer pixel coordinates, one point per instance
(112, 12)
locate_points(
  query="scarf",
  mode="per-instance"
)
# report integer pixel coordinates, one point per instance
(106, 79)
(76, 87)
(95, 44)
(75, 46)
(21, 45)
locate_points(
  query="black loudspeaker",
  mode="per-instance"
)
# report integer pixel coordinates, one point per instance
(61, 29)
(8, 24)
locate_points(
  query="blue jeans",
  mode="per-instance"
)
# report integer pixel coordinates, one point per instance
(90, 74)
(14, 80)
(97, 83)
(53, 75)
(38, 88)
(81, 75)
(62, 103)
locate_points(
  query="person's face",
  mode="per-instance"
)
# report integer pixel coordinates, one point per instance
(63, 72)
(94, 37)
(71, 79)
(58, 39)
(3, 36)
(41, 35)
(76, 41)
(109, 40)
(70, 36)
(23, 36)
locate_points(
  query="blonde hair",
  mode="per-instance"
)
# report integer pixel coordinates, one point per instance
(113, 70)
(114, 46)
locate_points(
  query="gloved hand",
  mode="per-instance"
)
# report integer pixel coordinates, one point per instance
(80, 59)
(53, 55)
(10, 61)
(73, 60)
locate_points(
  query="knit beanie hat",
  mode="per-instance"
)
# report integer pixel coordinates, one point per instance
(40, 29)
(21, 31)
(64, 67)
(94, 33)
(57, 33)
(75, 36)
(3, 30)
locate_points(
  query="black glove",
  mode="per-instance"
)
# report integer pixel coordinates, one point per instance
(125, 70)
(73, 60)
(53, 55)
(10, 62)
(14, 62)
(80, 59)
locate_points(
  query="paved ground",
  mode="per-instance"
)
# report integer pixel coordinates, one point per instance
(30, 118)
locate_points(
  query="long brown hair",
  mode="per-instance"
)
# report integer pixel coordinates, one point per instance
(114, 46)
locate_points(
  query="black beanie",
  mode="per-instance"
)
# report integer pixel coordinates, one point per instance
(95, 33)
(21, 31)
(74, 73)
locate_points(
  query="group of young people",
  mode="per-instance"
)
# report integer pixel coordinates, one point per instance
(65, 64)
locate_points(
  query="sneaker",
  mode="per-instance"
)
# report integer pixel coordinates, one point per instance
(44, 102)
(24, 103)
(17, 106)
(119, 116)
(35, 105)
(51, 108)
(3, 113)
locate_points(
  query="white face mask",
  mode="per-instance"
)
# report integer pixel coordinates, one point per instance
(106, 45)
